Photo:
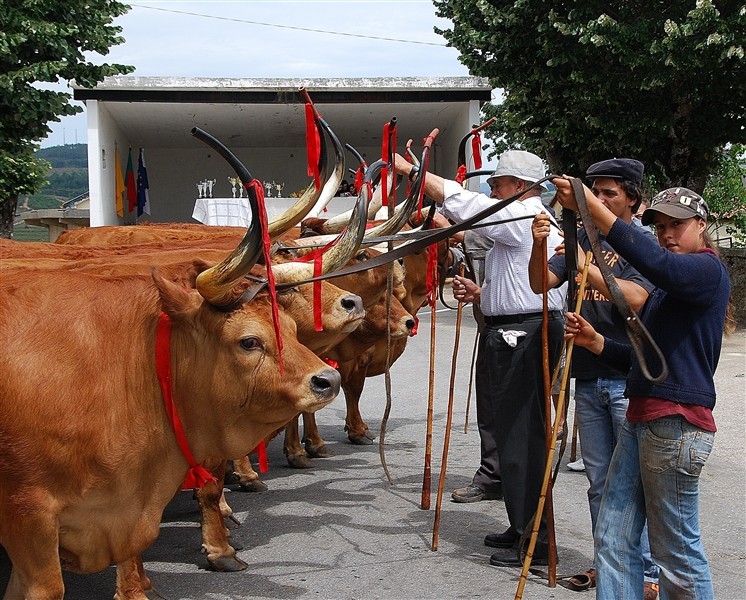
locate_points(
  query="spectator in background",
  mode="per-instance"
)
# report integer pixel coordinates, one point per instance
(344, 188)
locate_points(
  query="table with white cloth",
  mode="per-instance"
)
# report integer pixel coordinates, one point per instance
(222, 211)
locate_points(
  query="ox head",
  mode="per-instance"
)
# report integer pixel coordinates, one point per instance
(226, 370)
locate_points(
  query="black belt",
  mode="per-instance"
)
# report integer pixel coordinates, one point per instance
(520, 318)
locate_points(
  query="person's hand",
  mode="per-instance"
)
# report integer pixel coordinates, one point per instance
(440, 221)
(580, 330)
(465, 290)
(541, 227)
(564, 194)
(402, 165)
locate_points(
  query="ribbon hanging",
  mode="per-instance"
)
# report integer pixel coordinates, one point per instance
(261, 453)
(197, 476)
(317, 256)
(476, 151)
(313, 145)
(256, 185)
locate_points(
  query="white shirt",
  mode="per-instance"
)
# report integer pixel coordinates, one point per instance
(506, 289)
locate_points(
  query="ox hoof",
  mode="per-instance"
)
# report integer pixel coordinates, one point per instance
(369, 434)
(227, 564)
(253, 486)
(300, 461)
(360, 440)
(320, 452)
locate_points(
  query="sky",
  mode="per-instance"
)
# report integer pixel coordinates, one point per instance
(275, 38)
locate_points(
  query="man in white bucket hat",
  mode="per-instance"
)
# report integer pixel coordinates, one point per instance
(509, 381)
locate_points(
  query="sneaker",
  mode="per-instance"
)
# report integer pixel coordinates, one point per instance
(651, 590)
(577, 465)
(473, 493)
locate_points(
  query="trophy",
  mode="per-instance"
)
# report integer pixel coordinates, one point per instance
(233, 181)
(268, 189)
(278, 187)
(209, 183)
(201, 189)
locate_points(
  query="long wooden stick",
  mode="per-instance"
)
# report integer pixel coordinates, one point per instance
(555, 431)
(549, 505)
(471, 381)
(449, 420)
(427, 474)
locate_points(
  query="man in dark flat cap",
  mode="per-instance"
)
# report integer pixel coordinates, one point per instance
(600, 405)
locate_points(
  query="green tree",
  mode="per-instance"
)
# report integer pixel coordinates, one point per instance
(725, 192)
(45, 42)
(583, 80)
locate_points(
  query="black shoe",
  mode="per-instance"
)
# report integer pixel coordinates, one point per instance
(508, 557)
(501, 540)
(473, 493)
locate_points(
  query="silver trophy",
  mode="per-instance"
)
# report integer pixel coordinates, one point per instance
(278, 187)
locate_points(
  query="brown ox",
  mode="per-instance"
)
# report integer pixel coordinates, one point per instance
(89, 456)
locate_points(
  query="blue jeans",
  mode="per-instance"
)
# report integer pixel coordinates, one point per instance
(654, 473)
(601, 408)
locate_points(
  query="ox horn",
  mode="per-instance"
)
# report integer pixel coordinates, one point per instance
(295, 214)
(348, 241)
(332, 184)
(216, 284)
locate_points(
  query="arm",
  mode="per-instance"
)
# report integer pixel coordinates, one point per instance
(602, 216)
(433, 183)
(634, 294)
(540, 229)
(577, 328)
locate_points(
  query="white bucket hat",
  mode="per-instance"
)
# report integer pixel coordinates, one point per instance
(521, 164)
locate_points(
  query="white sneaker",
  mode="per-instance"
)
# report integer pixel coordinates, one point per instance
(578, 465)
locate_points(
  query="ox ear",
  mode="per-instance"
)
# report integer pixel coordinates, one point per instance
(176, 302)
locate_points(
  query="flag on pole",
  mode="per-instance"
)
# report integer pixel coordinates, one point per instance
(119, 183)
(143, 200)
(129, 181)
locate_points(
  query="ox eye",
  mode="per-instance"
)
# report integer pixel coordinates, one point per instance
(251, 343)
(362, 255)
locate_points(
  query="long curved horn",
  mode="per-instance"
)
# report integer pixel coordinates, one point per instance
(216, 284)
(295, 214)
(332, 184)
(348, 241)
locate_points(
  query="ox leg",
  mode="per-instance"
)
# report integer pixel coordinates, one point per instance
(314, 444)
(132, 582)
(32, 546)
(352, 384)
(294, 452)
(221, 556)
(248, 478)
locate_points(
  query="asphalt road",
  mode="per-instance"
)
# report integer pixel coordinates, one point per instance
(340, 530)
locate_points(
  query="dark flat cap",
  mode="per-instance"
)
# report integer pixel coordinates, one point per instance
(628, 169)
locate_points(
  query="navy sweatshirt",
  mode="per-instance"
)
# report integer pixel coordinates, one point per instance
(685, 315)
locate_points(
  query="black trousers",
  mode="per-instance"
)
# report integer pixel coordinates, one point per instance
(512, 379)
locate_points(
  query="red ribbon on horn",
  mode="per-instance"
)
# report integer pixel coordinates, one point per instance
(259, 192)
(313, 145)
(476, 150)
(197, 476)
(317, 256)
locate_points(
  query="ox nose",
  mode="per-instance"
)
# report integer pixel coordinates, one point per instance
(409, 324)
(353, 304)
(327, 383)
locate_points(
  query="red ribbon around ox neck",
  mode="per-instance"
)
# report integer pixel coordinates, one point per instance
(197, 476)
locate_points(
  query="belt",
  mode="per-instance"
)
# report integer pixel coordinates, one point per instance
(520, 318)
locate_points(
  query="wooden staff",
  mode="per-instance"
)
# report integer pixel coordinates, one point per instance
(427, 474)
(555, 431)
(449, 419)
(574, 444)
(549, 505)
(471, 381)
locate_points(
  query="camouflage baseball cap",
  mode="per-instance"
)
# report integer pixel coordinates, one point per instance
(678, 202)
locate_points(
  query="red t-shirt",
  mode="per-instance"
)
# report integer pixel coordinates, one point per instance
(642, 409)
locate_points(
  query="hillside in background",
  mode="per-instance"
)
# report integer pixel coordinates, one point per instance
(67, 178)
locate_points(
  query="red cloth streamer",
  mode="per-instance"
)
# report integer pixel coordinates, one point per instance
(359, 177)
(197, 476)
(461, 174)
(388, 149)
(334, 364)
(261, 453)
(313, 145)
(256, 185)
(476, 150)
(317, 256)
(431, 281)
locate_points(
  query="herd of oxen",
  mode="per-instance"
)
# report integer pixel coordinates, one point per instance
(91, 449)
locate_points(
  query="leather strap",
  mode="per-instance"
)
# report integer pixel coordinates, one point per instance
(636, 331)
